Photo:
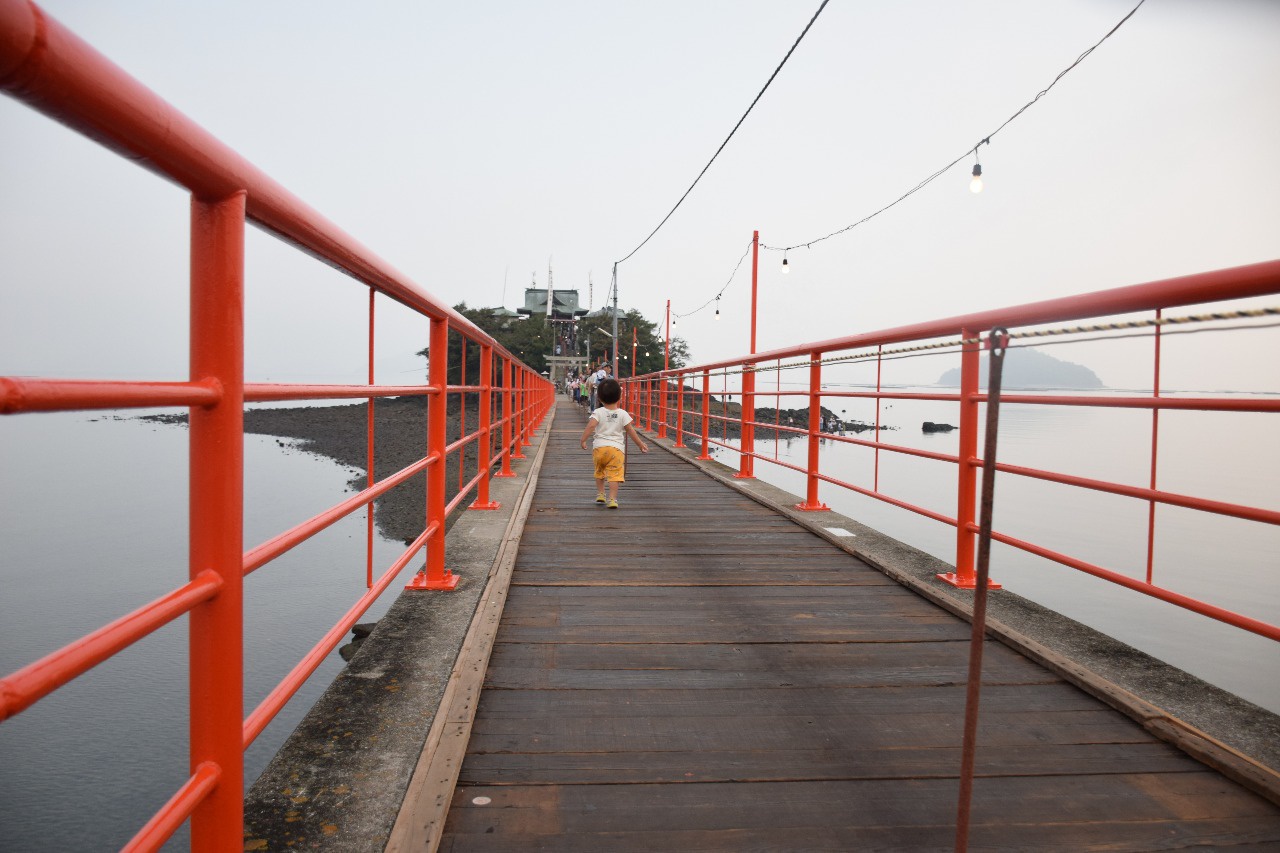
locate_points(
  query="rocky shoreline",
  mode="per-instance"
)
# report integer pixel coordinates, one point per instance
(400, 439)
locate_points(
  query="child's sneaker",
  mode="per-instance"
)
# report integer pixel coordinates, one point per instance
(600, 498)
(612, 504)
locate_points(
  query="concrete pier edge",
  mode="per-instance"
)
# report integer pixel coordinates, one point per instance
(1236, 737)
(339, 780)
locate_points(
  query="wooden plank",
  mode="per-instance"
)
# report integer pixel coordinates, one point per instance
(798, 765)
(749, 702)
(1114, 835)
(800, 733)
(766, 665)
(1028, 812)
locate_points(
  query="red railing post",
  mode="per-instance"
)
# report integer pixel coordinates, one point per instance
(746, 427)
(648, 406)
(967, 475)
(811, 502)
(1155, 446)
(517, 389)
(679, 410)
(216, 638)
(462, 414)
(706, 415)
(368, 563)
(506, 420)
(528, 404)
(434, 575)
(484, 452)
(662, 406)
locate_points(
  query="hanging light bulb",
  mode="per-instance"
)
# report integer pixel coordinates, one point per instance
(717, 307)
(975, 186)
(785, 267)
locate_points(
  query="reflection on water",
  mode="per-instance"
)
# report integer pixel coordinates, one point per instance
(1225, 561)
(95, 513)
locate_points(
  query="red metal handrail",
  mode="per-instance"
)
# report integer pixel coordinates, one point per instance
(1254, 280)
(46, 66)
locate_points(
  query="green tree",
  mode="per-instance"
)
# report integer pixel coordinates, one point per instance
(530, 340)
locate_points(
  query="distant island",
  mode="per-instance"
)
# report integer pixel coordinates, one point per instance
(1027, 368)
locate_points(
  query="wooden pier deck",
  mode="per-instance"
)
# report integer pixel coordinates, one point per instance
(695, 672)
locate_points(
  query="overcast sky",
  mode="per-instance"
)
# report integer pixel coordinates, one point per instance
(469, 144)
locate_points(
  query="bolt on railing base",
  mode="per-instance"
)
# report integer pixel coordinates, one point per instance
(818, 507)
(489, 505)
(960, 582)
(446, 583)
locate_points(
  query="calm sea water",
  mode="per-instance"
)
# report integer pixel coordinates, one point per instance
(1231, 563)
(102, 531)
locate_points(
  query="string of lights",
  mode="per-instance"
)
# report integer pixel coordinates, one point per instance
(731, 133)
(976, 184)
(716, 299)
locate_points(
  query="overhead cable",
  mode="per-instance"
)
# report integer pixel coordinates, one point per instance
(986, 140)
(731, 133)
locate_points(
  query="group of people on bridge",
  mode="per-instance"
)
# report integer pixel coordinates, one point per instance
(582, 388)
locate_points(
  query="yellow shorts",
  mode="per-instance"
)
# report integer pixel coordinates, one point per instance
(609, 462)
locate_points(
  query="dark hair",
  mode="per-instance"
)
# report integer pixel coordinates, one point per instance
(608, 391)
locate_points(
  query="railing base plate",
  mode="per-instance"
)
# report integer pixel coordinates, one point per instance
(421, 581)
(489, 505)
(818, 507)
(964, 583)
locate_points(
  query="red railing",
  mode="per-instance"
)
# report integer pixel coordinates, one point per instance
(54, 72)
(650, 393)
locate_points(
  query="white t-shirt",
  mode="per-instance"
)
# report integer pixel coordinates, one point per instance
(611, 428)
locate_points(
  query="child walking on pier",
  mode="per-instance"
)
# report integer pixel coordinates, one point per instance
(611, 425)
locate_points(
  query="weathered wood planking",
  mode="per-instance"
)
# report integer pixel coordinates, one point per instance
(694, 672)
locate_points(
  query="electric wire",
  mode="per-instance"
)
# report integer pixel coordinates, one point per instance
(732, 275)
(986, 140)
(731, 133)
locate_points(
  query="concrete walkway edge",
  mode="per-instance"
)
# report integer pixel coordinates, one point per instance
(420, 822)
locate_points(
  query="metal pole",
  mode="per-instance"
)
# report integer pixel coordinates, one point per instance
(506, 420)
(517, 379)
(216, 633)
(615, 319)
(1155, 444)
(662, 389)
(747, 408)
(484, 453)
(679, 410)
(999, 344)
(967, 475)
(811, 502)
(462, 415)
(706, 415)
(368, 570)
(434, 575)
